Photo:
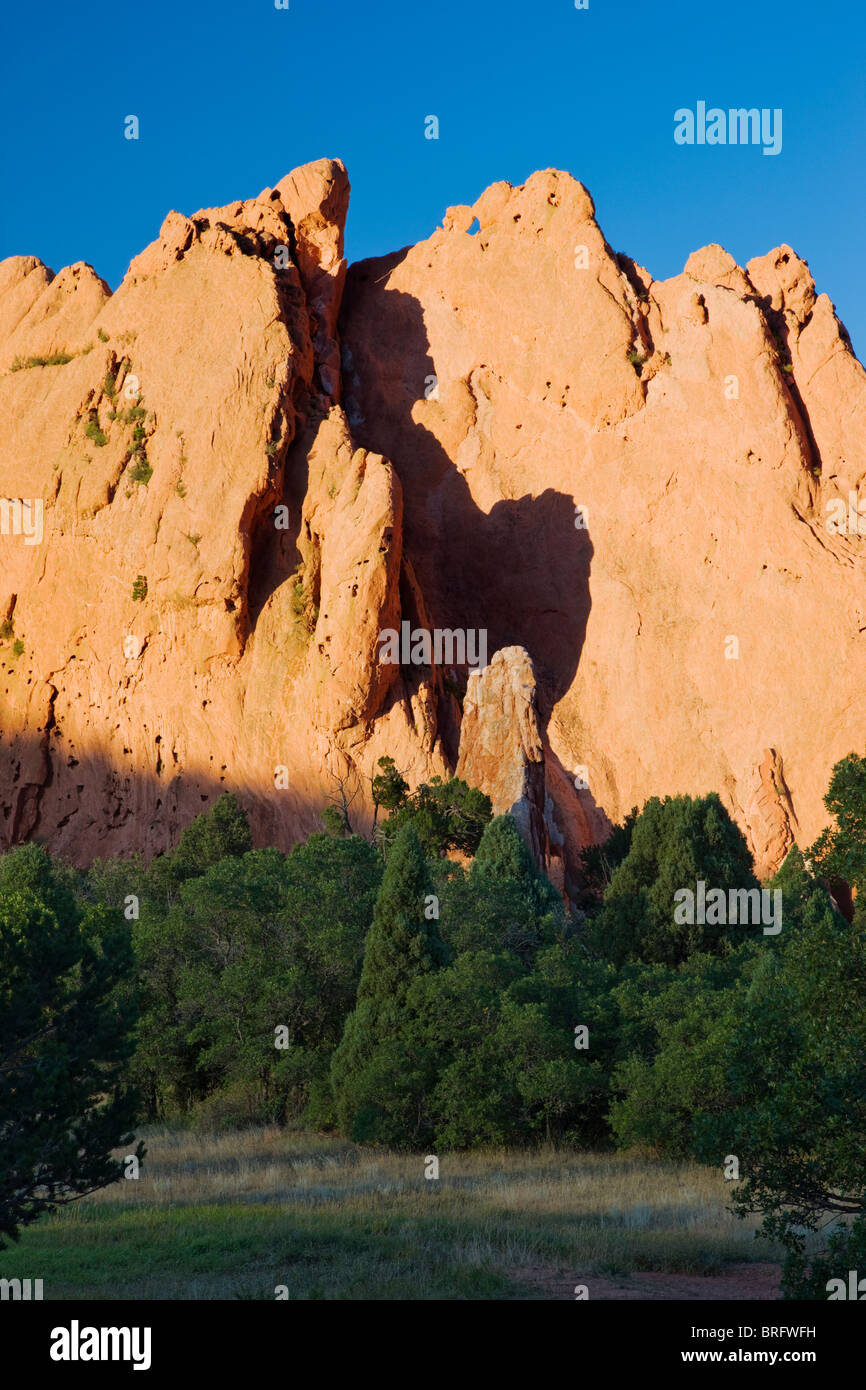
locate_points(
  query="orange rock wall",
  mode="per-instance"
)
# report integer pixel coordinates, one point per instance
(331, 453)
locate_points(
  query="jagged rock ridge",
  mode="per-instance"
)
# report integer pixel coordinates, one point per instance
(253, 462)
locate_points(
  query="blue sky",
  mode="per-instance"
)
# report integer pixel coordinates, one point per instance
(232, 96)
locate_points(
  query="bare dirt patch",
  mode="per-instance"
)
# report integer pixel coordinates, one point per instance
(749, 1282)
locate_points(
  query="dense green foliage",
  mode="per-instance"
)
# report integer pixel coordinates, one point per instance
(444, 815)
(382, 1070)
(254, 942)
(67, 1008)
(827, 1275)
(840, 850)
(400, 996)
(674, 843)
(678, 1026)
(796, 1064)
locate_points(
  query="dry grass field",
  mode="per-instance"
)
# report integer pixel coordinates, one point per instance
(236, 1215)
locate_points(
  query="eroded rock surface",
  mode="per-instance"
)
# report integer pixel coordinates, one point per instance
(249, 463)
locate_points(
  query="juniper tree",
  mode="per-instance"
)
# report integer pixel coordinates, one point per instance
(220, 832)
(444, 815)
(675, 843)
(840, 850)
(382, 1070)
(67, 1010)
(795, 1065)
(527, 909)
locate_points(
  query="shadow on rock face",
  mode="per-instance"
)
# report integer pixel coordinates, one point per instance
(88, 806)
(520, 570)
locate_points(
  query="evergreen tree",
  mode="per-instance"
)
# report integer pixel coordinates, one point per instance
(444, 815)
(223, 831)
(675, 843)
(598, 862)
(560, 1033)
(67, 1009)
(677, 1026)
(796, 1074)
(382, 1071)
(389, 786)
(504, 874)
(503, 853)
(258, 942)
(459, 1010)
(840, 850)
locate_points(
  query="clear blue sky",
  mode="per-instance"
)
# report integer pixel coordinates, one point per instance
(232, 96)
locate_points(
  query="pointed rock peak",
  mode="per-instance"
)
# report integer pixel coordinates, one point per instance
(547, 187)
(784, 279)
(491, 203)
(561, 189)
(256, 226)
(14, 269)
(42, 313)
(71, 276)
(715, 266)
(316, 197)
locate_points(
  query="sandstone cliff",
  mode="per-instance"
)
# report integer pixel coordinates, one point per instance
(251, 462)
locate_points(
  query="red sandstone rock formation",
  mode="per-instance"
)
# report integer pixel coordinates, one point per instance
(253, 463)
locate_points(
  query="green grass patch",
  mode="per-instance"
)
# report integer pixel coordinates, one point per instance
(237, 1215)
(93, 432)
(57, 359)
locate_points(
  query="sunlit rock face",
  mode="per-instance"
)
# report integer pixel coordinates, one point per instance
(222, 484)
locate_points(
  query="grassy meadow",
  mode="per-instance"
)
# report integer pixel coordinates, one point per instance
(222, 1216)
